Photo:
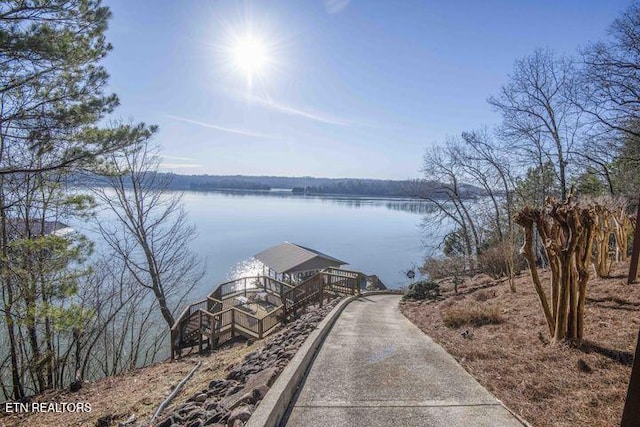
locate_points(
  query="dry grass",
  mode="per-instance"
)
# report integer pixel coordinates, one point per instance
(138, 392)
(484, 295)
(472, 314)
(548, 385)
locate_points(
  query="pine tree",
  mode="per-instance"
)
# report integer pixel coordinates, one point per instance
(52, 99)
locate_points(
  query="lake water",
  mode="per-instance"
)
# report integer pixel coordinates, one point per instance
(374, 235)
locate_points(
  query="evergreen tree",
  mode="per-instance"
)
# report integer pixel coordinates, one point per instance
(52, 93)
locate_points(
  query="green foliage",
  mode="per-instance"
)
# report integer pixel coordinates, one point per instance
(537, 183)
(422, 290)
(68, 318)
(588, 184)
(82, 204)
(54, 93)
(625, 167)
(53, 85)
(453, 244)
(49, 265)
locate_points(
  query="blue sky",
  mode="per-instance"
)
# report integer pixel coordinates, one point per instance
(351, 88)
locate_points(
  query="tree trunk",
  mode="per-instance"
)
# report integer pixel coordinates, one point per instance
(18, 390)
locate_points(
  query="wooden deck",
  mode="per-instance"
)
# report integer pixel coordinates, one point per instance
(253, 307)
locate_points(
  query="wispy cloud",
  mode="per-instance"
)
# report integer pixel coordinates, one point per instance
(223, 129)
(335, 6)
(164, 156)
(179, 165)
(174, 162)
(287, 109)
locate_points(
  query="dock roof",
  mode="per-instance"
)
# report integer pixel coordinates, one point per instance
(288, 257)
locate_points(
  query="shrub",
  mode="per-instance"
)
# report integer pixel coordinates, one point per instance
(451, 267)
(445, 267)
(422, 290)
(494, 261)
(472, 314)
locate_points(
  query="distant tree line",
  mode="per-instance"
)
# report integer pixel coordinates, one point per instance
(367, 187)
(385, 188)
(310, 185)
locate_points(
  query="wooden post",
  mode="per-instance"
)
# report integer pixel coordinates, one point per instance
(631, 412)
(635, 253)
(215, 328)
(260, 328)
(283, 299)
(233, 323)
(200, 332)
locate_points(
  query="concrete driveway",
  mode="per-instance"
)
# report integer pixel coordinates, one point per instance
(375, 368)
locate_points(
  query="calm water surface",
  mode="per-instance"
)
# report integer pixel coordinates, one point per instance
(376, 236)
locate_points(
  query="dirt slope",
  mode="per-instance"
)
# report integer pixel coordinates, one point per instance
(547, 385)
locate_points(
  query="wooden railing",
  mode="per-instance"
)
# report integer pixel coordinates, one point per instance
(216, 319)
(342, 284)
(246, 284)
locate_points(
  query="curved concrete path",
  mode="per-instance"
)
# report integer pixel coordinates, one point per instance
(376, 368)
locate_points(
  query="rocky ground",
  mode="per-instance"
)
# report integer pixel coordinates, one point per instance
(509, 352)
(223, 391)
(232, 400)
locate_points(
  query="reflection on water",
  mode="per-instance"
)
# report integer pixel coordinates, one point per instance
(415, 206)
(246, 268)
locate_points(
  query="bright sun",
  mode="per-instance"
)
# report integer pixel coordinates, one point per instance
(249, 50)
(250, 55)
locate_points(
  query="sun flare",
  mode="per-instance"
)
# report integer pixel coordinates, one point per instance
(250, 50)
(250, 55)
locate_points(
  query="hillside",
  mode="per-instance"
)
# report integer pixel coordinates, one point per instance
(137, 393)
(234, 377)
(545, 384)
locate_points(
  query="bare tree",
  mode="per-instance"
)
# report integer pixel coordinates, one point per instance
(539, 115)
(469, 181)
(488, 163)
(445, 188)
(149, 231)
(611, 76)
